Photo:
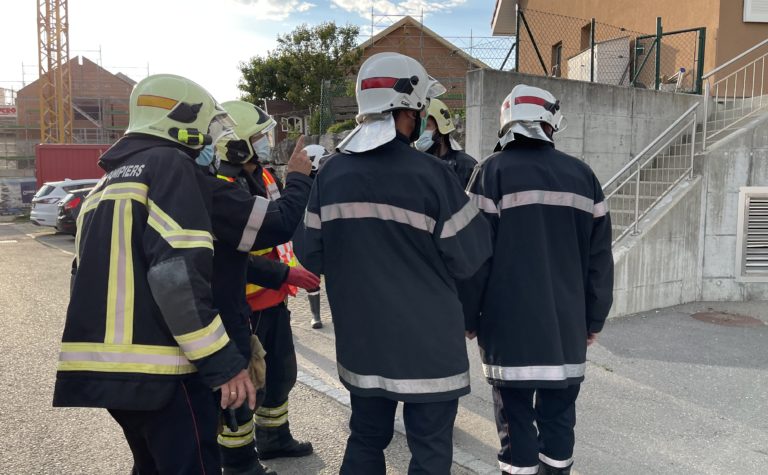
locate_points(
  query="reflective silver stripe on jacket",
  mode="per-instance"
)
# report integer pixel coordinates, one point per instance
(551, 198)
(255, 220)
(312, 220)
(508, 468)
(378, 211)
(534, 373)
(483, 203)
(601, 209)
(459, 221)
(405, 386)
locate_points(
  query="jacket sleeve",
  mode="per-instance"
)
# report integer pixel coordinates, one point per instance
(178, 247)
(465, 165)
(483, 192)
(251, 222)
(471, 294)
(599, 292)
(461, 234)
(266, 273)
(308, 242)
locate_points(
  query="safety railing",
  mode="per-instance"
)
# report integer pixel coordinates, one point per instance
(651, 174)
(732, 98)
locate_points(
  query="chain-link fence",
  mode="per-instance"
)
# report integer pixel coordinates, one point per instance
(676, 66)
(588, 50)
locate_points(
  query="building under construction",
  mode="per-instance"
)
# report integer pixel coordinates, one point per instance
(99, 105)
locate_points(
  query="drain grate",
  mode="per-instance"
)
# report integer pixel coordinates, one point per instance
(728, 319)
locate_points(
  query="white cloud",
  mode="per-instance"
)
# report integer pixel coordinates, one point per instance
(277, 9)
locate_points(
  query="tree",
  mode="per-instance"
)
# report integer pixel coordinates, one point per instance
(302, 59)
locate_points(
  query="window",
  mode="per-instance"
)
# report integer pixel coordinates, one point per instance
(292, 124)
(756, 11)
(557, 58)
(586, 37)
(752, 235)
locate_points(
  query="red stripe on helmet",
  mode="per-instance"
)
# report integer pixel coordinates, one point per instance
(378, 83)
(531, 100)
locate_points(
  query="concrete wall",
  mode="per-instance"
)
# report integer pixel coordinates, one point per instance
(607, 125)
(740, 159)
(660, 267)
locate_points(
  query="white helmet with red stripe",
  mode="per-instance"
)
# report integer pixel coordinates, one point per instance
(523, 111)
(529, 104)
(389, 81)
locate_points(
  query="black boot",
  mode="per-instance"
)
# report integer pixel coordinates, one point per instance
(277, 442)
(253, 468)
(314, 306)
(545, 469)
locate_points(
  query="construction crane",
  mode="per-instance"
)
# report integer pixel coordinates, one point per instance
(53, 63)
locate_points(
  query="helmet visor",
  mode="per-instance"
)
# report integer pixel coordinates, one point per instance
(435, 88)
(222, 127)
(268, 132)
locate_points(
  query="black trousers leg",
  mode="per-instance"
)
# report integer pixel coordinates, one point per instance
(238, 448)
(429, 431)
(273, 327)
(515, 416)
(371, 427)
(556, 419)
(177, 439)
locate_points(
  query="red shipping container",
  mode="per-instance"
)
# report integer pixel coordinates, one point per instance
(56, 162)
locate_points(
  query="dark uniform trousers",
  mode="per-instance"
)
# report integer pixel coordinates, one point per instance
(177, 439)
(553, 411)
(429, 432)
(273, 327)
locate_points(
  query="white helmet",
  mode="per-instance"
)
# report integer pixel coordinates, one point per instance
(389, 81)
(315, 152)
(529, 104)
(524, 109)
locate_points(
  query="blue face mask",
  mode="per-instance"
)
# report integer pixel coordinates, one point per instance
(205, 158)
(263, 150)
(425, 141)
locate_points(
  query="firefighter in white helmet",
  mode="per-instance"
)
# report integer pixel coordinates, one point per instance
(547, 295)
(392, 231)
(318, 154)
(436, 140)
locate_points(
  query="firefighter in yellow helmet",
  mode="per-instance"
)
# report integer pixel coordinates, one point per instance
(273, 276)
(436, 140)
(141, 337)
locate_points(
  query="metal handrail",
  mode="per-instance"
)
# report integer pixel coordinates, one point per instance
(731, 84)
(734, 59)
(661, 157)
(653, 143)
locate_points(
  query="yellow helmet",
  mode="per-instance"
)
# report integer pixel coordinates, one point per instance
(442, 115)
(177, 109)
(252, 124)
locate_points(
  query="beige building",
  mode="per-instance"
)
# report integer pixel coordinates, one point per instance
(732, 26)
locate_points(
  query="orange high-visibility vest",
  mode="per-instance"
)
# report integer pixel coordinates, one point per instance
(258, 297)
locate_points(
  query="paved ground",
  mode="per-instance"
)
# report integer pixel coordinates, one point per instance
(664, 394)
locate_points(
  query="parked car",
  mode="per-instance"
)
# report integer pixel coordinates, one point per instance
(69, 208)
(46, 200)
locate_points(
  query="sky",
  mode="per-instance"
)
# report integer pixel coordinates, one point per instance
(205, 40)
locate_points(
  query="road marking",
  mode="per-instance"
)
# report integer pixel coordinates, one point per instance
(9, 241)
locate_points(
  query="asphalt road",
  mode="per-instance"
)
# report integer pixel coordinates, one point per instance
(665, 393)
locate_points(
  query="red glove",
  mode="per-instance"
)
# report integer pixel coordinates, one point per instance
(302, 278)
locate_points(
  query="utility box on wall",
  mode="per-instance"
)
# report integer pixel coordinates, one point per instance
(611, 63)
(55, 162)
